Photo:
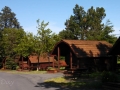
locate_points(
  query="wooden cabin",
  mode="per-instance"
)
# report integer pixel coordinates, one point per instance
(44, 62)
(31, 62)
(115, 52)
(83, 53)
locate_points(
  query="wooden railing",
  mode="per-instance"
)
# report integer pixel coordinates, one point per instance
(75, 73)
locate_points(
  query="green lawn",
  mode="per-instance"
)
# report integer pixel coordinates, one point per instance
(23, 72)
(118, 62)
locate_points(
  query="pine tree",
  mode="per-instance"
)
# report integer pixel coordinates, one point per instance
(8, 19)
(87, 25)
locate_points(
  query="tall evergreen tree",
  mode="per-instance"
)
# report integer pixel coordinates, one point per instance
(94, 23)
(87, 25)
(8, 19)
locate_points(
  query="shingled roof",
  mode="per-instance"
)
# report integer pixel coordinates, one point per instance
(115, 50)
(34, 59)
(85, 48)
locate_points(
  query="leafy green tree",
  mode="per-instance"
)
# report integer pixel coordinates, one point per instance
(66, 34)
(44, 40)
(8, 19)
(26, 45)
(41, 39)
(105, 35)
(53, 40)
(10, 39)
(10, 63)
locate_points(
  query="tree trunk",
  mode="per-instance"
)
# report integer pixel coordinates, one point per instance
(38, 62)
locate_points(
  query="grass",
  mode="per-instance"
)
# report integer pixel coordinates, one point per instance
(23, 72)
(118, 61)
(57, 80)
(76, 84)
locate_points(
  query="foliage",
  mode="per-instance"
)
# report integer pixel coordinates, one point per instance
(23, 72)
(0, 64)
(10, 64)
(10, 30)
(106, 33)
(44, 40)
(14, 41)
(57, 80)
(95, 75)
(26, 45)
(55, 38)
(51, 68)
(72, 85)
(88, 25)
(62, 58)
(17, 67)
(10, 39)
(66, 34)
(8, 19)
(109, 77)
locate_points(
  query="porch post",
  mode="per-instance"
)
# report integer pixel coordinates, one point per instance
(58, 58)
(114, 63)
(5, 64)
(77, 63)
(28, 63)
(70, 60)
(22, 62)
(53, 62)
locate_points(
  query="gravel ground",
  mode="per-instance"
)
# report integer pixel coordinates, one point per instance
(10, 81)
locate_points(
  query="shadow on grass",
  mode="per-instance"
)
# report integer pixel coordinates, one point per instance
(74, 85)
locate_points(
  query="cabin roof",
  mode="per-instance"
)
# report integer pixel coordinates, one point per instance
(34, 59)
(83, 48)
(115, 50)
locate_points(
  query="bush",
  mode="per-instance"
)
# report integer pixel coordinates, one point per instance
(109, 77)
(17, 67)
(95, 74)
(10, 64)
(51, 68)
(0, 64)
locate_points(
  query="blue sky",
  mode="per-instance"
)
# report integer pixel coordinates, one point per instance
(57, 11)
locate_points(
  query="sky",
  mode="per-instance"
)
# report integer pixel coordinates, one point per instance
(57, 11)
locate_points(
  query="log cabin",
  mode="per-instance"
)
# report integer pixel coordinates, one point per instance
(31, 62)
(83, 53)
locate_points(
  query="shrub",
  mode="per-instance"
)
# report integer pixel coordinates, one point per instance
(10, 64)
(17, 67)
(95, 74)
(109, 77)
(51, 68)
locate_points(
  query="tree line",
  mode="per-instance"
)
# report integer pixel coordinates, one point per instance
(82, 25)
